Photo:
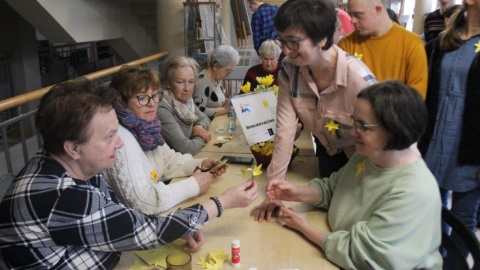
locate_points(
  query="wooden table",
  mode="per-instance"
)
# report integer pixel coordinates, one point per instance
(239, 143)
(266, 246)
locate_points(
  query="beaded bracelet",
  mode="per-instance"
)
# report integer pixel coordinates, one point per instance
(219, 205)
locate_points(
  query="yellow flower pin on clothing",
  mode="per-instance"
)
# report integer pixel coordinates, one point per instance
(360, 167)
(154, 176)
(358, 55)
(246, 87)
(477, 47)
(332, 127)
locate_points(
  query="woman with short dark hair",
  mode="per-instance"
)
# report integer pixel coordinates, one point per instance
(318, 85)
(384, 208)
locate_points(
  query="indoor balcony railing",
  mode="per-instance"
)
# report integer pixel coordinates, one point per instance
(16, 149)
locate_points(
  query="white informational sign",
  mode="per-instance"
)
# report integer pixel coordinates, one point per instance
(257, 115)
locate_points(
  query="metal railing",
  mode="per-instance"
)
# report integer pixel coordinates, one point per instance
(13, 152)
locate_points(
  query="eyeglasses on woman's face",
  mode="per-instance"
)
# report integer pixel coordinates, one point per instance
(145, 99)
(360, 126)
(293, 44)
(228, 70)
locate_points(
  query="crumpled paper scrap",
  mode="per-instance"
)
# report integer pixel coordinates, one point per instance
(213, 260)
(155, 257)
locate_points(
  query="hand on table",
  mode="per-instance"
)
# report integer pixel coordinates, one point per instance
(201, 132)
(211, 163)
(194, 240)
(292, 219)
(277, 191)
(265, 210)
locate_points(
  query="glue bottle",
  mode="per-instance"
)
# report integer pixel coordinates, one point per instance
(236, 253)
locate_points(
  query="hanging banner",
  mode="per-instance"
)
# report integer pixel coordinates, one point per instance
(257, 115)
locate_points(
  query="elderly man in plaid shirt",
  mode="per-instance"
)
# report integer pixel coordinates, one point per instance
(263, 18)
(59, 212)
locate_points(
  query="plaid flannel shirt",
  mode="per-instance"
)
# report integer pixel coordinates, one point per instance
(50, 220)
(263, 24)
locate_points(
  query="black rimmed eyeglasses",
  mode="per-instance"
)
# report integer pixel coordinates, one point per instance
(145, 99)
(360, 126)
(291, 44)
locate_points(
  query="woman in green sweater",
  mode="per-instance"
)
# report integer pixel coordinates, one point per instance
(384, 207)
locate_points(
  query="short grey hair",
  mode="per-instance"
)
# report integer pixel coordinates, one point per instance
(170, 66)
(223, 56)
(270, 48)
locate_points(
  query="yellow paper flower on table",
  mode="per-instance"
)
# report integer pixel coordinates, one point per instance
(154, 176)
(246, 87)
(219, 257)
(213, 261)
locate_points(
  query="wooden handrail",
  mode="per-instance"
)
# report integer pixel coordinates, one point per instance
(37, 94)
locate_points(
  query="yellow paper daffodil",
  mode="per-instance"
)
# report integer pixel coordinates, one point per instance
(212, 266)
(202, 262)
(275, 89)
(266, 81)
(332, 127)
(213, 261)
(246, 87)
(268, 148)
(243, 171)
(360, 167)
(154, 176)
(219, 257)
(477, 47)
(257, 170)
(256, 147)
